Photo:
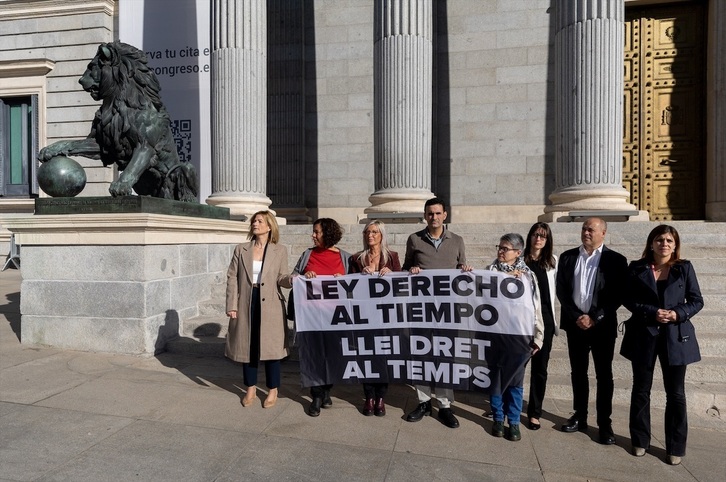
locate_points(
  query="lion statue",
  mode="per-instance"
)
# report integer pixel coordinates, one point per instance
(131, 129)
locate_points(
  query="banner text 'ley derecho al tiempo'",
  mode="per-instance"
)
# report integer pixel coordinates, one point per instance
(447, 328)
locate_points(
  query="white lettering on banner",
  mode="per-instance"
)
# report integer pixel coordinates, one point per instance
(441, 299)
(443, 373)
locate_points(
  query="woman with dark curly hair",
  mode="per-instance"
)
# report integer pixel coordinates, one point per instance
(324, 258)
(663, 295)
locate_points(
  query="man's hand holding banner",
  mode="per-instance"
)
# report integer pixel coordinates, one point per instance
(447, 328)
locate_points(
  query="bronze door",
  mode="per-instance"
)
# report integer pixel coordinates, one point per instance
(664, 108)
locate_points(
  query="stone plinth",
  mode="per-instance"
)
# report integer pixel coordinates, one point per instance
(121, 283)
(127, 204)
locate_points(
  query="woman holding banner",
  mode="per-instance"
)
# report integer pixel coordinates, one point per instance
(543, 264)
(255, 306)
(324, 258)
(509, 261)
(375, 258)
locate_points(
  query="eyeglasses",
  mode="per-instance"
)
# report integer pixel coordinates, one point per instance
(539, 235)
(505, 249)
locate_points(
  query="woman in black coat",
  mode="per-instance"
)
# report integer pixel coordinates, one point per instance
(663, 295)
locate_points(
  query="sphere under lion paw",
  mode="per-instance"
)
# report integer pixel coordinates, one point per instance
(61, 177)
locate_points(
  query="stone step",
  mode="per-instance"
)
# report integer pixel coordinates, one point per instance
(197, 346)
(702, 397)
(708, 370)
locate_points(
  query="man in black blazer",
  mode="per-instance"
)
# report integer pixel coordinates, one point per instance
(590, 282)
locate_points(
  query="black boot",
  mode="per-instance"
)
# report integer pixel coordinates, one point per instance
(327, 402)
(314, 409)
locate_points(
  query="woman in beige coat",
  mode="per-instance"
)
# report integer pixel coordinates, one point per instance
(256, 308)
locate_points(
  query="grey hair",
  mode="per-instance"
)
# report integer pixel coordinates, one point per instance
(514, 239)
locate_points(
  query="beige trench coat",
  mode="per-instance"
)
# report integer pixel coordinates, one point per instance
(273, 326)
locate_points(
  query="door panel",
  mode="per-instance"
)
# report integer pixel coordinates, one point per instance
(664, 134)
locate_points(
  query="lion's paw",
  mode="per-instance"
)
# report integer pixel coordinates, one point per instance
(120, 188)
(51, 151)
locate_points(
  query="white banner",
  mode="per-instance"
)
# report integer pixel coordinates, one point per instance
(175, 35)
(484, 301)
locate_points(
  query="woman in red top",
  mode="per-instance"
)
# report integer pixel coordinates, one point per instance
(324, 258)
(375, 258)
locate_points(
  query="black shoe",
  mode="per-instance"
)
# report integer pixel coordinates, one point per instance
(533, 426)
(314, 409)
(607, 437)
(380, 409)
(446, 415)
(498, 429)
(327, 402)
(574, 424)
(514, 433)
(418, 413)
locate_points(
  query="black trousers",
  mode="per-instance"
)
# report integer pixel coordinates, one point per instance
(272, 367)
(538, 375)
(580, 343)
(676, 420)
(319, 390)
(375, 390)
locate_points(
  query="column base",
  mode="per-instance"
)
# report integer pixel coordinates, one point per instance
(404, 203)
(571, 204)
(240, 207)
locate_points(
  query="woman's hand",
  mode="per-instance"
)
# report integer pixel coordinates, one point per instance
(310, 274)
(383, 271)
(666, 316)
(232, 314)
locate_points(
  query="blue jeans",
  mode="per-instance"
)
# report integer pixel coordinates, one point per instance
(509, 401)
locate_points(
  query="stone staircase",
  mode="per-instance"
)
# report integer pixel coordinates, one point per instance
(703, 243)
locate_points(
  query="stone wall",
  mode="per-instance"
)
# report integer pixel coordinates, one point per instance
(66, 38)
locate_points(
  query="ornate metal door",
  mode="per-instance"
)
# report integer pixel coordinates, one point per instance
(664, 108)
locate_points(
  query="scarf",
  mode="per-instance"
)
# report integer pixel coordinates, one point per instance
(519, 265)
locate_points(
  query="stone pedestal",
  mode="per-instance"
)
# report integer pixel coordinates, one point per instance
(120, 283)
(588, 108)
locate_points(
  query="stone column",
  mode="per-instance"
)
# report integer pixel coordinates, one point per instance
(716, 113)
(402, 72)
(239, 106)
(588, 107)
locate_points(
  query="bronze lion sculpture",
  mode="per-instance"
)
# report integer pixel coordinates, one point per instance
(131, 129)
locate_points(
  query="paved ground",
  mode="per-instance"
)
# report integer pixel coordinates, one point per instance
(76, 416)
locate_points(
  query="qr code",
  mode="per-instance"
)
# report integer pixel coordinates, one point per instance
(182, 132)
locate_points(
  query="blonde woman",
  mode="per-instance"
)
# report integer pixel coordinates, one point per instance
(255, 306)
(375, 258)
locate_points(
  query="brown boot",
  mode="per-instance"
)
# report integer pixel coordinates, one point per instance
(380, 409)
(368, 407)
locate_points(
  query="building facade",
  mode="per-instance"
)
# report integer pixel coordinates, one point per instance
(510, 110)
